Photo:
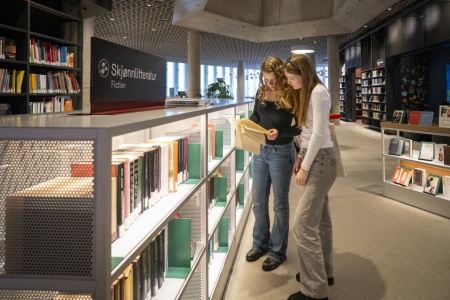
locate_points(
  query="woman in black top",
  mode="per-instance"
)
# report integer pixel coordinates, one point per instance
(273, 165)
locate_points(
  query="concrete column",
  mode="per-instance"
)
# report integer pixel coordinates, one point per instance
(194, 75)
(88, 32)
(312, 57)
(240, 95)
(333, 75)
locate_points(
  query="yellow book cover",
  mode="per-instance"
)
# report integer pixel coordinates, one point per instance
(129, 282)
(19, 81)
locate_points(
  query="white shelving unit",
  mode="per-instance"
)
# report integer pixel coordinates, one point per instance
(438, 204)
(37, 148)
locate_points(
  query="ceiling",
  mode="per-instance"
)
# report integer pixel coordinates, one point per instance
(241, 30)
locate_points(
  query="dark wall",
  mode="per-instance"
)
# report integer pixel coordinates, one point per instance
(353, 56)
(410, 67)
(422, 28)
(372, 49)
(438, 91)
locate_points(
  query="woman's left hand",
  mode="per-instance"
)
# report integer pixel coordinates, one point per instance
(273, 133)
(301, 177)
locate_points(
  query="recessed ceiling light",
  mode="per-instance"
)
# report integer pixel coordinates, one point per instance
(390, 8)
(365, 26)
(112, 19)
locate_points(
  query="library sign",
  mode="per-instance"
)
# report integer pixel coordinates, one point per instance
(123, 78)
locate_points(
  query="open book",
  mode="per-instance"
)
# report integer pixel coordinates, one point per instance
(249, 135)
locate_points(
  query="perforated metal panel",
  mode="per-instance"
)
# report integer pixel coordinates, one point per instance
(46, 215)
(41, 295)
(193, 289)
(193, 211)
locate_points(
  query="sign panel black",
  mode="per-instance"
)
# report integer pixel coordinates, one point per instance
(122, 74)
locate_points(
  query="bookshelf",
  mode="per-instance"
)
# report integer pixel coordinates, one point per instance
(350, 95)
(342, 100)
(413, 195)
(358, 95)
(48, 39)
(39, 150)
(373, 96)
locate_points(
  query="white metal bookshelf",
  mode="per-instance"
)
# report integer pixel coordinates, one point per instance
(100, 135)
(438, 204)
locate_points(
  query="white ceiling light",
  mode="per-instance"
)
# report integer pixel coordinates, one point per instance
(302, 49)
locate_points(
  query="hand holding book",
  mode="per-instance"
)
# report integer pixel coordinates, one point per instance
(249, 135)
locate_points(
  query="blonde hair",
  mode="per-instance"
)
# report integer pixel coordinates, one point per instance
(274, 65)
(300, 64)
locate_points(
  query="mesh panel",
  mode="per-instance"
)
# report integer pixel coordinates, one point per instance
(192, 210)
(193, 289)
(41, 295)
(46, 216)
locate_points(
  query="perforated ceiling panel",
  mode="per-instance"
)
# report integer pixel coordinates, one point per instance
(146, 25)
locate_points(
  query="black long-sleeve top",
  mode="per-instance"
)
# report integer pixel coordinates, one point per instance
(269, 116)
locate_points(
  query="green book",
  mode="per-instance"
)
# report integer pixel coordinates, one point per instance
(179, 248)
(194, 164)
(223, 235)
(241, 192)
(239, 160)
(115, 260)
(219, 144)
(221, 191)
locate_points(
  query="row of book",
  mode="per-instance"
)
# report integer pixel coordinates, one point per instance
(50, 104)
(145, 276)
(144, 173)
(44, 52)
(11, 80)
(372, 98)
(168, 255)
(429, 151)
(54, 82)
(420, 180)
(373, 73)
(7, 48)
(372, 90)
(422, 118)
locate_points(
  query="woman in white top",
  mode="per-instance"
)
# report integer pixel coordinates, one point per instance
(316, 165)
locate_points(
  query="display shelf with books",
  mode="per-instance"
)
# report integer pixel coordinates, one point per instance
(424, 186)
(342, 99)
(39, 41)
(91, 157)
(373, 96)
(358, 95)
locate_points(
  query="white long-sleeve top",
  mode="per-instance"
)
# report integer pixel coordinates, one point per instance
(316, 132)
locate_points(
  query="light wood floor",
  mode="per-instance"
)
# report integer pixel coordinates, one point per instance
(383, 249)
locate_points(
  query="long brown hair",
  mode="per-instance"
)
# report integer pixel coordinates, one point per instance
(300, 64)
(273, 64)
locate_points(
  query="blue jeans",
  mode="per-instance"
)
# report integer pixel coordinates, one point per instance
(273, 166)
